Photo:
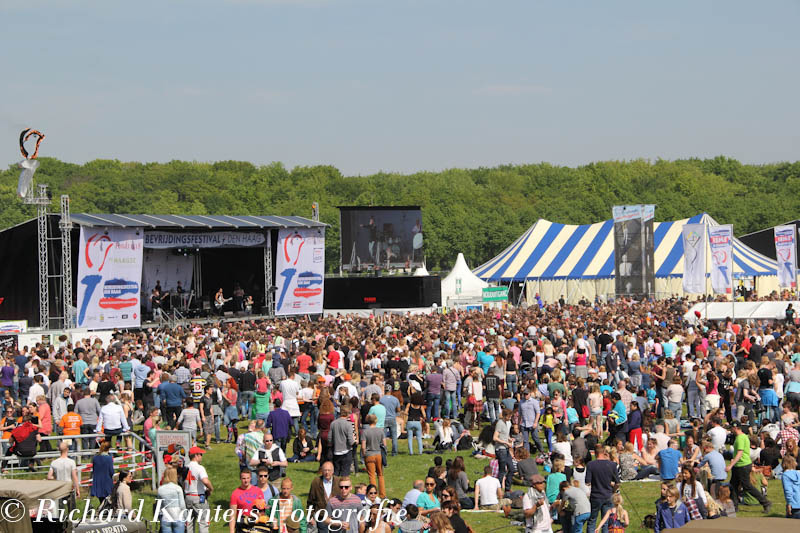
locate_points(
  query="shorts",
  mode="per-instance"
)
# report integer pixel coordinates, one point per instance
(208, 425)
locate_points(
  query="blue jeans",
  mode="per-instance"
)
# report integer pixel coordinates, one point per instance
(602, 508)
(511, 383)
(433, 404)
(390, 428)
(578, 521)
(245, 403)
(309, 420)
(414, 427)
(172, 527)
(493, 407)
(505, 467)
(531, 433)
(450, 408)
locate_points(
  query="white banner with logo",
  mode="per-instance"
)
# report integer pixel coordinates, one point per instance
(694, 258)
(720, 239)
(109, 278)
(300, 271)
(786, 254)
(213, 239)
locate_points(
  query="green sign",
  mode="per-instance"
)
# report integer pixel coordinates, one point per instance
(495, 294)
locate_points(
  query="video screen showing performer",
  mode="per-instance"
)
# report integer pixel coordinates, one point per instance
(381, 238)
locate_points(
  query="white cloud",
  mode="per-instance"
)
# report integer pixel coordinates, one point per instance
(512, 90)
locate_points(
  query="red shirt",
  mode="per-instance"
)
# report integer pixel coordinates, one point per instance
(333, 359)
(303, 362)
(246, 498)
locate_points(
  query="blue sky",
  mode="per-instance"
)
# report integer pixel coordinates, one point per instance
(370, 85)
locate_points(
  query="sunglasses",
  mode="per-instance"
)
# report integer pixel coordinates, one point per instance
(344, 486)
(430, 484)
(372, 492)
(260, 476)
(268, 440)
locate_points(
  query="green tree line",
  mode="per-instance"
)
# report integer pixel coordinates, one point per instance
(475, 211)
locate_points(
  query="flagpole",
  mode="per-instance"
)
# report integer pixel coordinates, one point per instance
(705, 270)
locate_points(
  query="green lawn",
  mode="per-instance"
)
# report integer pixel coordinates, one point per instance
(222, 465)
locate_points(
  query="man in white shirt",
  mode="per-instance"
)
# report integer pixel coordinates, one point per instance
(36, 389)
(197, 489)
(272, 457)
(718, 435)
(112, 420)
(536, 507)
(489, 493)
(65, 469)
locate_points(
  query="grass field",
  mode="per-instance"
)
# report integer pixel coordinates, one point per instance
(222, 465)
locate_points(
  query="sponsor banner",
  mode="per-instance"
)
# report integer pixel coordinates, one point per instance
(786, 255)
(300, 272)
(109, 278)
(13, 326)
(720, 239)
(694, 258)
(213, 239)
(8, 342)
(172, 444)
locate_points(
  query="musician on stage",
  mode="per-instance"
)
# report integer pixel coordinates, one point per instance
(155, 302)
(374, 250)
(179, 289)
(219, 300)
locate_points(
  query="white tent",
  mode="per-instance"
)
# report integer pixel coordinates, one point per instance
(461, 284)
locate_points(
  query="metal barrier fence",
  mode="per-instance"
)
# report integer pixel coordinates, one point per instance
(138, 459)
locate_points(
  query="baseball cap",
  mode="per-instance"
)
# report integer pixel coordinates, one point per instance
(537, 478)
(736, 424)
(194, 450)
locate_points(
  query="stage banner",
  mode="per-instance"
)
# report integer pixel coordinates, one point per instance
(212, 239)
(109, 277)
(786, 254)
(694, 258)
(720, 240)
(634, 269)
(300, 274)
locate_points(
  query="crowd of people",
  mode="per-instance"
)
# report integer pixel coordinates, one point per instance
(567, 402)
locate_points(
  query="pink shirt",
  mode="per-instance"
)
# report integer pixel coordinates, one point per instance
(45, 419)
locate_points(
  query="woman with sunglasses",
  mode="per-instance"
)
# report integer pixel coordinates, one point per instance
(372, 496)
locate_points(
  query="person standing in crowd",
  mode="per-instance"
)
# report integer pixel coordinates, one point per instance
(172, 503)
(339, 505)
(341, 438)
(197, 489)
(322, 488)
(112, 421)
(740, 466)
(102, 473)
(279, 421)
(286, 504)
(536, 508)
(790, 481)
(243, 500)
(602, 477)
(65, 469)
(373, 439)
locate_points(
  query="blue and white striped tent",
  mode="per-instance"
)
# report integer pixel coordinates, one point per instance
(561, 255)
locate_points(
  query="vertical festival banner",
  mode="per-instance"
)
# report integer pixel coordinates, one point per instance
(694, 258)
(720, 240)
(786, 254)
(109, 277)
(300, 271)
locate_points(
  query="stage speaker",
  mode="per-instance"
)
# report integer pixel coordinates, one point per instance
(227, 314)
(382, 292)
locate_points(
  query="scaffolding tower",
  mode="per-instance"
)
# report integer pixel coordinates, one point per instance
(66, 262)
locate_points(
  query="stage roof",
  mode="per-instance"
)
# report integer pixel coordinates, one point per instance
(194, 221)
